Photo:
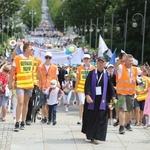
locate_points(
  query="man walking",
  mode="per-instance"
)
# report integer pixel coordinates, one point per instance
(22, 73)
(126, 89)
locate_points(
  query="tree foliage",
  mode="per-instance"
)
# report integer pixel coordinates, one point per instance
(33, 6)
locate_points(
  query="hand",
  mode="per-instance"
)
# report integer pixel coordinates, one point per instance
(59, 99)
(123, 59)
(114, 100)
(110, 106)
(88, 99)
(10, 86)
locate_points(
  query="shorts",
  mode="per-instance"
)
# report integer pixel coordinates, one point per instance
(128, 103)
(81, 98)
(3, 100)
(27, 92)
(43, 99)
(139, 104)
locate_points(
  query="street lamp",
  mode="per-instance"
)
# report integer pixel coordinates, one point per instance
(90, 30)
(134, 24)
(65, 26)
(32, 13)
(105, 29)
(7, 29)
(125, 27)
(2, 30)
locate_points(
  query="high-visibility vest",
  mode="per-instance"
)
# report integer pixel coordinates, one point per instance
(141, 97)
(47, 76)
(82, 73)
(37, 63)
(126, 84)
(24, 72)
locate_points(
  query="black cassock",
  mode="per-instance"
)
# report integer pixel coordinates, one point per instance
(95, 121)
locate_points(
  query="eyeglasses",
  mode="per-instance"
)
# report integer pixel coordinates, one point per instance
(52, 83)
(48, 57)
(86, 58)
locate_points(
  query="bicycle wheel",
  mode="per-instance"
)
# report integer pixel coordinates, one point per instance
(34, 112)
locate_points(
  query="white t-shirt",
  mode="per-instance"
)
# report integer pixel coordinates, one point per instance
(69, 83)
(119, 71)
(47, 67)
(53, 95)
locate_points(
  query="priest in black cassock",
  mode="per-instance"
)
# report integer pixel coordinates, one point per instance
(98, 90)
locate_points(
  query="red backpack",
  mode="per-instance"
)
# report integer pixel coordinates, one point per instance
(3, 82)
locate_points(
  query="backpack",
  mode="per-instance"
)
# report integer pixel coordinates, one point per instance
(2, 82)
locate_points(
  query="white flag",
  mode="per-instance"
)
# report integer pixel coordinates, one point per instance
(7, 54)
(109, 53)
(102, 47)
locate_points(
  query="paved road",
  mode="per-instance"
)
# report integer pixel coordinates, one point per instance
(66, 135)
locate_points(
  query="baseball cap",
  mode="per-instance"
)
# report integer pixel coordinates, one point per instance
(48, 54)
(110, 65)
(86, 56)
(66, 75)
(101, 58)
(53, 83)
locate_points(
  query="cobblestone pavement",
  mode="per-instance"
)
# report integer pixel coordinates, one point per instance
(67, 135)
(6, 134)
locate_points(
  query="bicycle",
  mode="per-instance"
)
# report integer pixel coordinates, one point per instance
(35, 106)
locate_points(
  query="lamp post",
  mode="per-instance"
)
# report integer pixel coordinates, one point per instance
(90, 30)
(7, 29)
(2, 30)
(118, 22)
(32, 13)
(64, 26)
(105, 30)
(134, 24)
(96, 32)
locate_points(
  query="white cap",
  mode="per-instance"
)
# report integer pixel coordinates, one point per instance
(66, 75)
(87, 56)
(48, 54)
(33, 48)
(110, 65)
(65, 65)
(53, 83)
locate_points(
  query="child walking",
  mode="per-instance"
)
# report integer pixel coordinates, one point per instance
(54, 95)
(146, 111)
(67, 91)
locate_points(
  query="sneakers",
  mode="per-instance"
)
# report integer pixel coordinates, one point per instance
(16, 127)
(44, 120)
(54, 123)
(96, 142)
(28, 122)
(48, 123)
(22, 126)
(66, 109)
(116, 123)
(110, 121)
(79, 122)
(128, 127)
(121, 130)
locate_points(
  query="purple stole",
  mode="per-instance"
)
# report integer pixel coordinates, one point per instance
(93, 90)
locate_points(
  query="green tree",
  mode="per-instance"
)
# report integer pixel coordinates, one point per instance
(134, 36)
(26, 15)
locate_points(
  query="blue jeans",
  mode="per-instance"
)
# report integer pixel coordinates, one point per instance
(52, 112)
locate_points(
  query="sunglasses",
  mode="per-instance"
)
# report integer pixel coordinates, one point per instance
(48, 57)
(52, 83)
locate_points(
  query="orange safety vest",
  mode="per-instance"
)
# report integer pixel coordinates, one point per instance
(126, 84)
(24, 72)
(141, 97)
(82, 73)
(37, 63)
(47, 76)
